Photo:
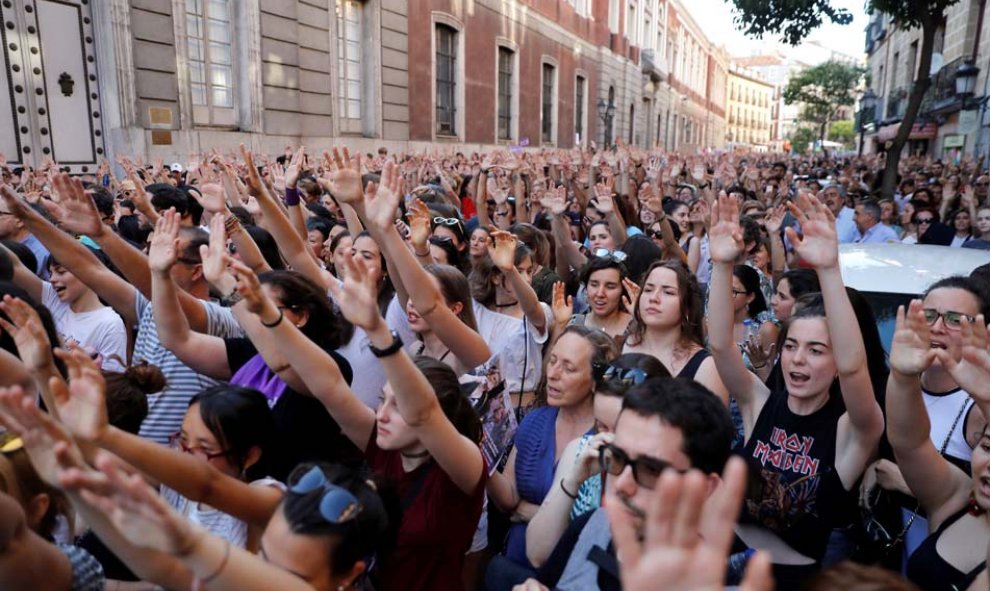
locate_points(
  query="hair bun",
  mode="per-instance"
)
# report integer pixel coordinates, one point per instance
(146, 377)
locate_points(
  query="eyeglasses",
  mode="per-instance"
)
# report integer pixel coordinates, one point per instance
(177, 441)
(921, 221)
(616, 255)
(337, 505)
(628, 377)
(739, 292)
(949, 319)
(646, 471)
(188, 261)
(657, 234)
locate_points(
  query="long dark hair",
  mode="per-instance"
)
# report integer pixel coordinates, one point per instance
(298, 292)
(239, 418)
(454, 404)
(692, 307)
(750, 280)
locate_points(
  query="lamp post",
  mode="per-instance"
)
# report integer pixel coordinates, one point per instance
(867, 104)
(606, 112)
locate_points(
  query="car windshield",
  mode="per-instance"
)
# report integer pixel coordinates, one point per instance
(884, 307)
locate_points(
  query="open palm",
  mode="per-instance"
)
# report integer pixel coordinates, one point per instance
(381, 201)
(725, 236)
(344, 178)
(82, 404)
(972, 370)
(357, 295)
(910, 349)
(819, 243)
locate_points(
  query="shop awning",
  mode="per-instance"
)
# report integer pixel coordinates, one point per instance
(919, 131)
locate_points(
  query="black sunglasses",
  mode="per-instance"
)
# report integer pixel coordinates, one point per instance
(646, 471)
(627, 377)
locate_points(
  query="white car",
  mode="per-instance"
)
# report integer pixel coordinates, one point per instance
(889, 275)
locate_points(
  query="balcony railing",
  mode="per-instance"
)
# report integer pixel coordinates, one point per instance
(651, 65)
(897, 102)
(941, 94)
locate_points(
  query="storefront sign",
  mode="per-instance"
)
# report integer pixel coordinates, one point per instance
(954, 141)
(919, 131)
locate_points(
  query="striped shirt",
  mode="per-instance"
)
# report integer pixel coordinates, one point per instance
(167, 408)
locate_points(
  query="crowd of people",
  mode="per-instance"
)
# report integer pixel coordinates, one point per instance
(517, 370)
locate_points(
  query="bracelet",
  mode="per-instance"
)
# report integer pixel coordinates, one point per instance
(199, 582)
(567, 492)
(291, 196)
(274, 323)
(759, 366)
(231, 298)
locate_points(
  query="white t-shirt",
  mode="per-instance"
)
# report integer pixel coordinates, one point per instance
(101, 331)
(213, 520)
(398, 320)
(369, 376)
(515, 344)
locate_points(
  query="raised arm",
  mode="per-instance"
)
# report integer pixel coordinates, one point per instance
(24, 278)
(204, 353)
(726, 247)
(415, 398)
(378, 211)
(315, 368)
(940, 487)
(75, 257)
(290, 243)
(819, 247)
(503, 255)
(605, 203)
(83, 406)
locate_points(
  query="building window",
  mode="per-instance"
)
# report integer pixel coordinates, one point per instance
(549, 73)
(446, 80)
(506, 58)
(350, 65)
(579, 98)
(209, 48)
(632, 24)
(613, 15)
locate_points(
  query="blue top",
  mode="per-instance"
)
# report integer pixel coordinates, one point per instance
(535, 465)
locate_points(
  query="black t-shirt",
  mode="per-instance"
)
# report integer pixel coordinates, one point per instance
(304, 430)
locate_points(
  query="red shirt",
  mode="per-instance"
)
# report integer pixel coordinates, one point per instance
(436, 530)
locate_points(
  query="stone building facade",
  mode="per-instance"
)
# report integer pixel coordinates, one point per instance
(170, 78)
(947, 127)
(751, 108)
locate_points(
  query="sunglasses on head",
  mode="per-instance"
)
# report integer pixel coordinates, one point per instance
(337, 505)
(615, 255)
(646, 471)
(627, 377)
(446, 221)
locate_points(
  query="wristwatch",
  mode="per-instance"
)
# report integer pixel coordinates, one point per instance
(390, 350)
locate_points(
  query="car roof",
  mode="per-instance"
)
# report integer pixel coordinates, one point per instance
(904, 268)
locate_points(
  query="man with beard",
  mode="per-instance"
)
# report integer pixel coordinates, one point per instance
(665, 423)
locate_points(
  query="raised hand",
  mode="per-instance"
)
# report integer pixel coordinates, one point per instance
(82, 403)
(382, 200)
(256, 186)
(249, 287)
(555, 200)
(775, 219)
(819, 245)
(630, 294)
(497, 192)
(972, 370)
(212, 198)
(25, 327)
(673, 556)
(603, 198)
(563, 304)
(503, 252)
(419, 223)
(41, 434)
(357, 297)
(725, 236)
(213, 257)
(75, 210)
(136, 510)
(910, 349)
(344, 178)
(164, 249)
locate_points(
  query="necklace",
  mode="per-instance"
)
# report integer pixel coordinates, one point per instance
(509, 305)
(974, 509)
(416, 455)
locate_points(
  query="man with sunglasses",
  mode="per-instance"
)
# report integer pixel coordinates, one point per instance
(665, 423)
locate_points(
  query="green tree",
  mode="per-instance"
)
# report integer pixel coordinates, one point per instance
(793, 20)
(843, 132)
(801, 138)
(824, 90)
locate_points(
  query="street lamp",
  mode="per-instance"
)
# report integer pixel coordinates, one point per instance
(966, 80)
(867, 104)
(606, 112)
